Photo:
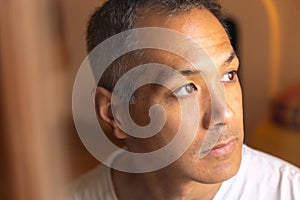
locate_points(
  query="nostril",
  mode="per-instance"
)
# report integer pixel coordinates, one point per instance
(206, 121)
(209, 123)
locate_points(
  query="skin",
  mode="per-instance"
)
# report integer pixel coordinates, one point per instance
(189, 177)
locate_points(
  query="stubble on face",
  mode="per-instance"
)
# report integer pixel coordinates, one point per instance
(205, 29)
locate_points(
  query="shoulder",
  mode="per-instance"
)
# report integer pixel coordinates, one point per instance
(94, 185)
(268, 164)
(267, 176)
(262, 176)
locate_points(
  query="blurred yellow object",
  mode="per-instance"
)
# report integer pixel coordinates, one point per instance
(278, 141)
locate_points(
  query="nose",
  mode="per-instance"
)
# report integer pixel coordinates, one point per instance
(216, 110)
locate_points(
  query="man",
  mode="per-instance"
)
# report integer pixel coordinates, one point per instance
(227, 169)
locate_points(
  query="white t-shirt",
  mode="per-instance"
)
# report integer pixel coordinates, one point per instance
(260, 177)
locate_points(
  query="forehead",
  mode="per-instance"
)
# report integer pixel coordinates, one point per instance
(197, 24)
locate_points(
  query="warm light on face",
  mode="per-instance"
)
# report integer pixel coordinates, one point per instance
(187, 115)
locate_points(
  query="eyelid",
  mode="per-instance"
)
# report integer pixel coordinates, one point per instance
(233, 71)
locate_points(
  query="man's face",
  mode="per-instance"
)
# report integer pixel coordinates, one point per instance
(224, 159)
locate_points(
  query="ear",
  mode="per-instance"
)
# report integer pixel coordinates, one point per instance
(104, 113)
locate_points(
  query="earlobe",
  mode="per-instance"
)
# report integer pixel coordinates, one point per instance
(104, 113)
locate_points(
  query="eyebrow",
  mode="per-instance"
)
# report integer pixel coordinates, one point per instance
(189, 72)
(230, 58)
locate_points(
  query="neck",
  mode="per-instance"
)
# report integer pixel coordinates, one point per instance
(160, 185)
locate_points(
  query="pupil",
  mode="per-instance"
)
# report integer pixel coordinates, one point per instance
(189, 88)
(231, 75)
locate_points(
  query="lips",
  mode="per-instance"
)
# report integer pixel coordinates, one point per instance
(223, 148)
(219, 146)
(220, 149)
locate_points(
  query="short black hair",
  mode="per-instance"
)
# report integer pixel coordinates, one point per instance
(116, 16)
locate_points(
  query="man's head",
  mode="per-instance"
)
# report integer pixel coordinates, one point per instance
(198, 20)
(116, 16)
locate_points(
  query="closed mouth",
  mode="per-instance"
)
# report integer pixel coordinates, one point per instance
(220, 148)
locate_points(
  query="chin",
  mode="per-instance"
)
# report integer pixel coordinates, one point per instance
(213, 169)
(225, 172)
(218, 175)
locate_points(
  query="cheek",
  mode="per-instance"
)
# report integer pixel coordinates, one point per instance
(173, 121)
(186, 119)
(235, 100)
(140, 115)
(177, 121)
(238, 102)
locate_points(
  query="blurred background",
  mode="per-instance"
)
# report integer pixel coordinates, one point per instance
(42, 46)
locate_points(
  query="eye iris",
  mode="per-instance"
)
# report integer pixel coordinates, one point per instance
(231, 76)
(189, 88)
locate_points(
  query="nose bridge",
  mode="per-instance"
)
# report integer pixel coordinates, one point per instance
(218, 107)
(215, 108)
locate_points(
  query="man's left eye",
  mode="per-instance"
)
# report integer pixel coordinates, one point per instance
(230, 76)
